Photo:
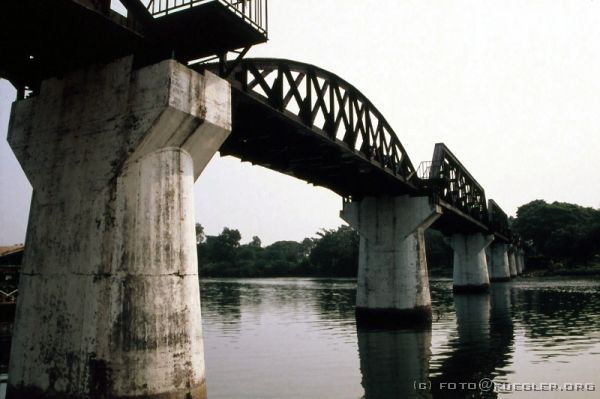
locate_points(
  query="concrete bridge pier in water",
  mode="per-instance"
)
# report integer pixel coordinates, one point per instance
(499, 268)
(520, 259)
(109, 302)
(470, 265)
(512, 261)
(393, 285)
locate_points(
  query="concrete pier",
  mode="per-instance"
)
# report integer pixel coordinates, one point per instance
(109, 302)
(499, 268)
(520, 259)
(393, 284)
(512, 262)
(470, 265)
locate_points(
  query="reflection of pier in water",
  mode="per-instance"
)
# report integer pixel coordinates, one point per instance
(392, 360)
(482, 346)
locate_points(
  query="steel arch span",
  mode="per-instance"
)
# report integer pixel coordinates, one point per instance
(310, 123)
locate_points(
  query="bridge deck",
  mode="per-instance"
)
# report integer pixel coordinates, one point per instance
(42, 38)
(270, 138)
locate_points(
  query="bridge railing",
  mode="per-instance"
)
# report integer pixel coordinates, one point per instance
(451, 182)
(253, 11)
(326, 103)
(425, 169)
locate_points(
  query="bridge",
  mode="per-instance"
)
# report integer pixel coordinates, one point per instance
(115, 119)
(311, 124)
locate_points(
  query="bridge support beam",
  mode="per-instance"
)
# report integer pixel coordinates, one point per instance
(512, 261)
(499, 267)
(393, 284)
(470, 265)
(109, 302)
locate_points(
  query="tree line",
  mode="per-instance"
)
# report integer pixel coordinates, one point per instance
(333, 253)
(555, 235)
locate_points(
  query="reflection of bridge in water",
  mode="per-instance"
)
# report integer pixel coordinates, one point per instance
(112, 128)
(393, 360)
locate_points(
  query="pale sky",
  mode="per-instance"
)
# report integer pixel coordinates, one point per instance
(512, 87)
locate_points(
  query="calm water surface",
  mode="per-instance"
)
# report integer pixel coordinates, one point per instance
(297, 338)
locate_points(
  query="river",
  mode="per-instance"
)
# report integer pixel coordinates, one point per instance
(297, 338)
(288, 338)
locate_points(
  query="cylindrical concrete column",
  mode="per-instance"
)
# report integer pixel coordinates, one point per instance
(109, 302)
(512, 262)
(470, 266)
(155, 324)
(393, 285)
(499, 267)
(519, 260)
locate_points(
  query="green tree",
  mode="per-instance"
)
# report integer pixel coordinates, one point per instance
(560, 231)
(282, 258)
(218, 255)
(256, 243)
(439, 253)
(199, 234)
(335, 252)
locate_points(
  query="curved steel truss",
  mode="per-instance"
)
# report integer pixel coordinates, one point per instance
(325, 103)
(452, 183)
(334, 110)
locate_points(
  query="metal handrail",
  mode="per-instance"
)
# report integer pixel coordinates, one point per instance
(427, 169)
(254, 12)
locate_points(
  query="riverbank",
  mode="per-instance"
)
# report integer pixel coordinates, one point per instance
(581, 271)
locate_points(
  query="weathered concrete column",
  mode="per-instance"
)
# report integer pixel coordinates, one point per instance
(393, 285)
(109, 302)
(512, 262)
(520, 259)
(470, 266)
(499, 267)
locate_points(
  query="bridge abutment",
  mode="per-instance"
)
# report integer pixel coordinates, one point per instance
(470, 265)
(109, 302)
(393, 284)
(498, 262)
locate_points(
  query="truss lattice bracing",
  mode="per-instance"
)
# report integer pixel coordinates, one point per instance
(498, 220)
(324, 102)
(453, 184)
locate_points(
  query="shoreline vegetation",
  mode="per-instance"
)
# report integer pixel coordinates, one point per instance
(333, 253)
(560, 239)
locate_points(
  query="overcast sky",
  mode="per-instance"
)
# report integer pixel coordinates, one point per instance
(512, 87)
